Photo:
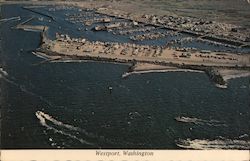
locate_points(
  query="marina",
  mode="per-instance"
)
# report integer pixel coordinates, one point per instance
(65, 84)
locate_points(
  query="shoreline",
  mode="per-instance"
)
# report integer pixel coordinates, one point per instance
(218, 84)
(136, 71)
(112, 9)
(69, 49)
(114, 52)
(83, 50)
(100, 97)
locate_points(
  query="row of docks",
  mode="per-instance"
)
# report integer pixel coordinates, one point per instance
(87, 18)
(153, 35)
(115, 25)
(131, 30)
(148, 36)
(184, 40)
(121, 27)
(201, 26)
(135, 30)
(138, 31)
(110, 27)
(216, 43)
(227, 34)
(180, 41)
(90, 18)
(61, 7)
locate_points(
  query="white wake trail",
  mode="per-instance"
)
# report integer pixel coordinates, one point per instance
(198, 121)
(44, 118)
(3, 72)
(214, 144)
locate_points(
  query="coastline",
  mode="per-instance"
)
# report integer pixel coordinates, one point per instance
(163, 59)
(82, 49)
(113, 8)
(144, 68)
(82, 95)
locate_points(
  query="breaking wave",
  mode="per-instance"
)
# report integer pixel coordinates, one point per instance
(199, 121)
(221, 86)
(59, 127)
(213, 144)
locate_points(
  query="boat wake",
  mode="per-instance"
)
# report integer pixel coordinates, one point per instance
(9, 80)
(65, 129)
(77, 133)
(213, 144)
(3, 72)
(199, 121)
(4, 75)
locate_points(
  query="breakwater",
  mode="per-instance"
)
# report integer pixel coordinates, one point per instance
(40, 13)
(11, 18)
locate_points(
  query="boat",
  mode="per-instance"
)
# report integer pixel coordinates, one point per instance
(186, 119)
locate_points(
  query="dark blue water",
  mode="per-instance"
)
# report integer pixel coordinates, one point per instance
(78, 110)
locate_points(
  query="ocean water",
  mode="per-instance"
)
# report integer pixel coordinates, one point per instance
(68, 105)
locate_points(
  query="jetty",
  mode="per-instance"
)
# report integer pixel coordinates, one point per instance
(40, 13)
(11, 18)
(26, 21)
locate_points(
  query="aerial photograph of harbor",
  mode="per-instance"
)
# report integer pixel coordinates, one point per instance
(122, 74)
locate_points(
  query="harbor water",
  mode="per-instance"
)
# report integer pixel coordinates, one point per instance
(69, 105)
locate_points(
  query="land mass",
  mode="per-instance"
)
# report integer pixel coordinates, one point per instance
(220, 66)
(149, 58)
